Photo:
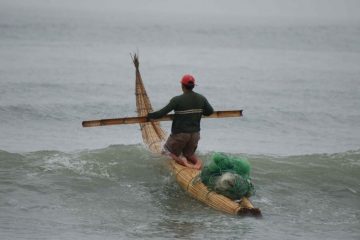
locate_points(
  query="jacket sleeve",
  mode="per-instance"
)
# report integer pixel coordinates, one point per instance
(208, 109)
(162, 112)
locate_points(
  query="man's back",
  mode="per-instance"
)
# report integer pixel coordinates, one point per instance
(188, 108)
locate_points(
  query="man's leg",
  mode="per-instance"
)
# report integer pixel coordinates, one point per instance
(189, 151)
(174, 146)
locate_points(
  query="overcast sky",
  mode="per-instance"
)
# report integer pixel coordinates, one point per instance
(314, 10)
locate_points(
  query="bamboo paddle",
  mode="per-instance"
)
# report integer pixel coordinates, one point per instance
(143, 119)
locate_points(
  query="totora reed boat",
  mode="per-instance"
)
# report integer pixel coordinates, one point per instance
(154, 136)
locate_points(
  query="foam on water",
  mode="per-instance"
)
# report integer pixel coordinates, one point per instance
(122, 191)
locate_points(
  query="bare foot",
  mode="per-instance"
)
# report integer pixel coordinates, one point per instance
(180, 160)
(188, 164)
(196, 162)
(198, 165)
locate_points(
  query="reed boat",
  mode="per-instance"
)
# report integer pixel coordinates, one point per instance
(154, 137)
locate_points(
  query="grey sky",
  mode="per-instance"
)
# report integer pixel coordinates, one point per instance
(278, 10)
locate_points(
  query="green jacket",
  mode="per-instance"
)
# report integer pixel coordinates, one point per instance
(188, 108)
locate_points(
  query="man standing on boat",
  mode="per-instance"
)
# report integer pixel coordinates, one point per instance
(185, 129)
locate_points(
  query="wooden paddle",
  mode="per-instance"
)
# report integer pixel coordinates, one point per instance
(143, 119)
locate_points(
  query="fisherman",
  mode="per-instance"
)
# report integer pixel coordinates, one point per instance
(185, 129)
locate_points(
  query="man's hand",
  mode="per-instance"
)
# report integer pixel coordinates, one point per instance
(148, 119)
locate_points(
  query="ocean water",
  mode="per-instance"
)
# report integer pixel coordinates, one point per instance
(298, 84)
(122, 192)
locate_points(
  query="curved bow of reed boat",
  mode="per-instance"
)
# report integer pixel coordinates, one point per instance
(152, 134)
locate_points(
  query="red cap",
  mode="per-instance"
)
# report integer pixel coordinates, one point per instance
(188, 80)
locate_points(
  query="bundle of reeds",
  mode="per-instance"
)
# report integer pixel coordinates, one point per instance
(153, 135)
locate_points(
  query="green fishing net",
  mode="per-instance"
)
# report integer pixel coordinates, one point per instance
(229, 176)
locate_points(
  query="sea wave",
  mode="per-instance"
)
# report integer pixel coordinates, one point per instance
(134, 161)
(119, 183)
